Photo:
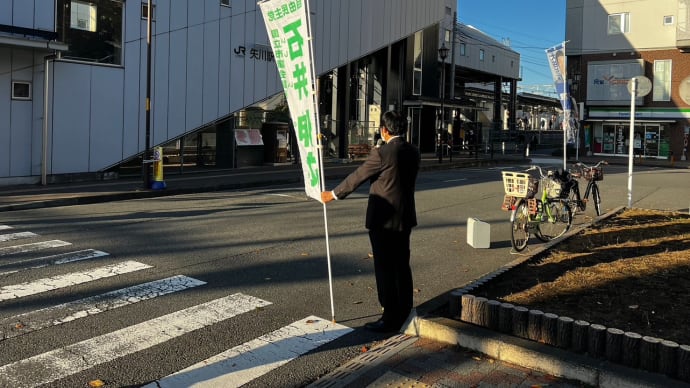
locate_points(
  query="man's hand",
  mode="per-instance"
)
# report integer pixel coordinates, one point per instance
(327, 196)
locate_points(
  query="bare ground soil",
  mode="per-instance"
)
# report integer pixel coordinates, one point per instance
(630, 272)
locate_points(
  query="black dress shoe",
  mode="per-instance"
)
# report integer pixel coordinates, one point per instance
(381, 326)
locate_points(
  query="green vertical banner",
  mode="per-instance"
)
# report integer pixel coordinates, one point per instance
(287, 23)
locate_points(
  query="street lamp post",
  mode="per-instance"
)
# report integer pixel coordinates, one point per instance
(443, 54)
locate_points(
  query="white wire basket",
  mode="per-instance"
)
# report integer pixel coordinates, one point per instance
(553, 188)
(519, 184)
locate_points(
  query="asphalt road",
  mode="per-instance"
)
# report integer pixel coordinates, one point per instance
(270, 243)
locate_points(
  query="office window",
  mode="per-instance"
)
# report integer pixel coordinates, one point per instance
(481, 55)
(92, 30)
(83, 16)
(661, 90)
(21, 90)
(417, 71)
(145, 11)
(619, 23)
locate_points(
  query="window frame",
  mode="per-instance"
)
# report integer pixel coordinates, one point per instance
(104, 46)
(481, 55)
(418, 64)
(18, 97)
(662, 83)
(623, 26)
(144, 11)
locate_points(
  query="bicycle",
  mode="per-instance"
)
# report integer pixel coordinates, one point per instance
(547, 217)
(592, 174)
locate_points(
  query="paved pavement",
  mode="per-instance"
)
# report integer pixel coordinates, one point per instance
(432, 351)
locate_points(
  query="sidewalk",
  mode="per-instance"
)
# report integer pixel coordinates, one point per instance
(433, 351)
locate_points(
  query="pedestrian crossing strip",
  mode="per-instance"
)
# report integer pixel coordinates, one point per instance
(42, 262)
(246, 362)
(231, 368)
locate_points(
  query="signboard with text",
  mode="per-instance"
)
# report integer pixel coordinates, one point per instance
(607, 81)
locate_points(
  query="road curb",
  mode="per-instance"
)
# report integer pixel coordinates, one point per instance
(536, 356)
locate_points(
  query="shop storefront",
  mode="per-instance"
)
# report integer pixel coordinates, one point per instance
(656, 135)
(650, 139)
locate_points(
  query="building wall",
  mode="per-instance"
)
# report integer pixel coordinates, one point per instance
(587, 23)
(498, 59)
(200, 74)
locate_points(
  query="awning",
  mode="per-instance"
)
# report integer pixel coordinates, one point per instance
(627, 120)
(48, 45)
(447, 104)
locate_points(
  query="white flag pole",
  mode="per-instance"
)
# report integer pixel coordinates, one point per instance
(566, 117)
(320, 152)
(631, 135)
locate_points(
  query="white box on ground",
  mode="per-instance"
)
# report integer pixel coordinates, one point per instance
(478, 233)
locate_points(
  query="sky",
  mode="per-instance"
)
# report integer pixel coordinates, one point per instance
(532, 26)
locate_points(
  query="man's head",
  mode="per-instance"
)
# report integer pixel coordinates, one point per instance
(392, 121)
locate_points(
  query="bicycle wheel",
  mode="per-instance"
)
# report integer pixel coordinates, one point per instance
(556, 221)
(596, 199)
(519, 226)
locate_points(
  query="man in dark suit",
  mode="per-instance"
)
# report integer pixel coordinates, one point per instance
(392, 171)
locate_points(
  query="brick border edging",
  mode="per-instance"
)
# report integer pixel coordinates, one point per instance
(630, 349)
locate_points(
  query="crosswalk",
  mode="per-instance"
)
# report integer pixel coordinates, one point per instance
(23, 253)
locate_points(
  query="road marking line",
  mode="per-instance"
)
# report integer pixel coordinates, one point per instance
(45, 261)
(67, 280)
(5, 227)
(246, 362)
(59, 363)
(32, 247)
(16, 236)
(455, 180)
(66, 312)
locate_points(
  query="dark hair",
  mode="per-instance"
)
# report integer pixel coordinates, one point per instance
(393, 121)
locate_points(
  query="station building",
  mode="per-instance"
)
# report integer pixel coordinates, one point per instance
(74, 77)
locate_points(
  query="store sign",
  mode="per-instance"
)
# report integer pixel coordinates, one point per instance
(607, 82)
(287, 23)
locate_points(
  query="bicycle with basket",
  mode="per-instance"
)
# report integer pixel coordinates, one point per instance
(571, 186)
(547, 216)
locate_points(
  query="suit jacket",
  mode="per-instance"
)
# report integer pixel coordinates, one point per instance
(392, 171)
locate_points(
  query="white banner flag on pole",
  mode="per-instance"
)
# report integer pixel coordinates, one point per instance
(557, 62)
(289, 31)
(287, 23)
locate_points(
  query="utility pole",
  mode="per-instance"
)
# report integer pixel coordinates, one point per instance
(146, 160)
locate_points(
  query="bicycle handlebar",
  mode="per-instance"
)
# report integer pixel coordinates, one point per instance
(580, 164)
(541, 172)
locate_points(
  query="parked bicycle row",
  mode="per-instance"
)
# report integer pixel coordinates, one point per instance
(544, 204)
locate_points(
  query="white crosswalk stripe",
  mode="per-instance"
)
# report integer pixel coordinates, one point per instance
(66, 312)
(32, 247)
(75, 358)
(16, 236)
(40, 262)
(55, 282)
(231, 368)
(255, 358)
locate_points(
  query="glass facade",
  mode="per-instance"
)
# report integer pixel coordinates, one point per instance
(650, 139)
(92, 30)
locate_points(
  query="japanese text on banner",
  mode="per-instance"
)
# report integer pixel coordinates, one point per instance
(288, 32)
